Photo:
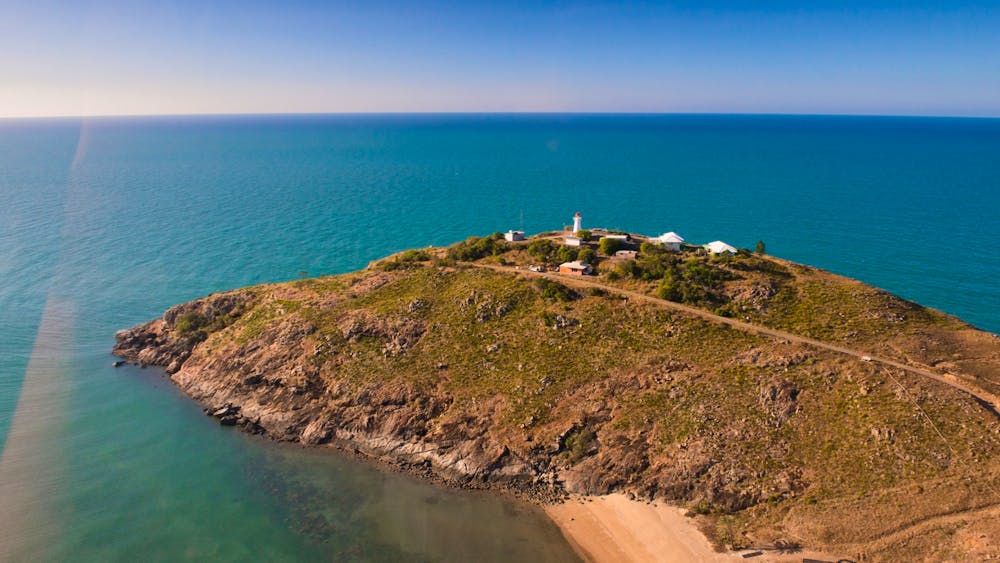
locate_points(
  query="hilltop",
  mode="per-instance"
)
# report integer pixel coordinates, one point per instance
(780, 403)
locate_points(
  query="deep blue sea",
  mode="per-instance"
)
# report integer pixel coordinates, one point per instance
(106, 222)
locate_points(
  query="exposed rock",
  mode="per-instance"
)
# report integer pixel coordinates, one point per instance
(561, 321)
(778, 397)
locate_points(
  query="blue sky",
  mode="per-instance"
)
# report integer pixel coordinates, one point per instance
(138, 57)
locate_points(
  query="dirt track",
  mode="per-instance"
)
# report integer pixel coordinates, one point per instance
(988, 400)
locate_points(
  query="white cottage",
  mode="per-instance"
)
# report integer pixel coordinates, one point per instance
(719, 247)
(671, 241)
(513, 236)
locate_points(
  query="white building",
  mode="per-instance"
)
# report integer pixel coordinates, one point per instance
(513, 235)
(671, 241)
(719, 247)
(573, 241)
(577, 223)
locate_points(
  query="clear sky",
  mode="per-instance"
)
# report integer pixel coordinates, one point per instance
(100, 57)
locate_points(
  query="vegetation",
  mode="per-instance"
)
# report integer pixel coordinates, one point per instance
(405, 259)
(543, 249)
(197, 326)
(693, 282)
(190, 324)
(555, 290)
(608, 246)
(475, 248)
(760, 248)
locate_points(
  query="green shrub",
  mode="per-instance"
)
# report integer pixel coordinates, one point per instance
(404, 260)
(542, 249)
(608, 246)
(567, 253)
(578, 444)
(555, 290)
(475, 248)
(190, 323)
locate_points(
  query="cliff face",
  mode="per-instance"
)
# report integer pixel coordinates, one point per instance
(488, 379)
(279, 383)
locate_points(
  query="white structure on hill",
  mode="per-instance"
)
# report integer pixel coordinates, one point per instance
(719, 247)
(577, 223)
(671, 240)
(513, 235)
(573, 241)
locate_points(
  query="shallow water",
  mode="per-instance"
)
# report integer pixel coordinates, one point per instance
(104, 223)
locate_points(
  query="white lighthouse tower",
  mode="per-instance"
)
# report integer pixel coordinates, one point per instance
(577, 223)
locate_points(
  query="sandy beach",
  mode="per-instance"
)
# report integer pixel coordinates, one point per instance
(613, 528)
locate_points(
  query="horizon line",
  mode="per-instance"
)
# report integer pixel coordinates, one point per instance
(496, 113)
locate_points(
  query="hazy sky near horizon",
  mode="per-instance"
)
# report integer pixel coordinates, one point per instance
(114, 57)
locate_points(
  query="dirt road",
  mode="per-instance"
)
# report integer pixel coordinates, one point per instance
(988, 400)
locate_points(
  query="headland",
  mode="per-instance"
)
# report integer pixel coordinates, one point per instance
(780, 406)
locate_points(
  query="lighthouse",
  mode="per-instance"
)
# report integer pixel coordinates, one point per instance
(577, 222)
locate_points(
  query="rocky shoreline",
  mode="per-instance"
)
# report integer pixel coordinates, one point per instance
(379, 425)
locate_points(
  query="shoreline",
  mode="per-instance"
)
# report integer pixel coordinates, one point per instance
(612, 528)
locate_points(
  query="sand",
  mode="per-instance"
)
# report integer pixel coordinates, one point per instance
(613, 528)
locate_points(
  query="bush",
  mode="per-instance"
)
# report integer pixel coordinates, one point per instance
(578, 443)
(651, 249)
(475, 248)
(404, 260)
(567, 253)
(189, 323)
(583, 234)
(587, 255)
(542, 249)
(555, 290)
(608, 246)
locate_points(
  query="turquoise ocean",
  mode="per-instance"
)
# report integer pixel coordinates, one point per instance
(106, 222)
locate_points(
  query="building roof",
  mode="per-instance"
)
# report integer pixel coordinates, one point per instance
(670, 237)
(575, 265)
(718, 247)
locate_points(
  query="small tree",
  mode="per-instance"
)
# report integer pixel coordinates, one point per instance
(760, 248)
(583, 234)
(608, 246)
(586, 255)
(542, 249)
(567, 254)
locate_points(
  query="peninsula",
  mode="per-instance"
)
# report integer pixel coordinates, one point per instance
(781, 406)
